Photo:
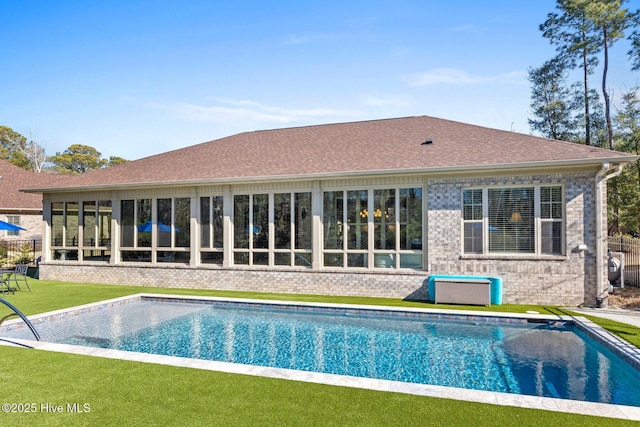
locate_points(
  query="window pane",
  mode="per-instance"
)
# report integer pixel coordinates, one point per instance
(282, 258)
(410, 218)
(357, 230)
(105, 212)
(211, 258)
(164, 222)
(126, 223)
(472, 204)
(205, 222)
(332, 218)
(356, 260)
(282, 221)
(96, 255)
(136, 256)
(89, 223)
(333, 260)
(57, 226)
(261, 221)
(241, 258)
(384, 219)
(384, 261)
(511, 220)
(241, 222)
(143, 222)
(303, 227)
(182, 222)
(551, 202)
(217, 204)
(473, 237)
(15, 220)
(72, 223)
(303, 260)
(166, 256)
(551, 237)
(260, 258)
(411, 261)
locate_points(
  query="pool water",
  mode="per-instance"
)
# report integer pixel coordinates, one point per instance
(540, 359)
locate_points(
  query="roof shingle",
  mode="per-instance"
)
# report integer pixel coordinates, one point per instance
(15, 178)
(375, 146)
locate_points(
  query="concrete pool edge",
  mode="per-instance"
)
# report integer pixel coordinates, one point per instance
(496, 398)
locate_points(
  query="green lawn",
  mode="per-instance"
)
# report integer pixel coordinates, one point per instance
(129, 393)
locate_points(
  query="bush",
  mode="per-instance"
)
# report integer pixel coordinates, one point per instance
(25, 256)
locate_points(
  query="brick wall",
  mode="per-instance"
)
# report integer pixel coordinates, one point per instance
(557, 280)
(352, 283)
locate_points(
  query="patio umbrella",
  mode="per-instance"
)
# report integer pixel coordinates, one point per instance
(10, 227)
(146, 227)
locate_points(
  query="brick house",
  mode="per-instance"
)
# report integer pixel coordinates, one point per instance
(366, 208)
(19, 208)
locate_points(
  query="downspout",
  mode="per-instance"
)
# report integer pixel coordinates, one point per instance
(602, 175)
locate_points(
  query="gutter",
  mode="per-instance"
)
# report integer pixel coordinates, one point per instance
(603, 175)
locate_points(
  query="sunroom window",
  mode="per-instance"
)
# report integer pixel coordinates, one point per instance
(373, 228)
(517, 220)
(272, 229)
(211, 229)
(165, 239)
(64, 230)
(96, 230)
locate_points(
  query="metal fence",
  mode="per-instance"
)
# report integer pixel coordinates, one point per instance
(14, 248)
(630, 247)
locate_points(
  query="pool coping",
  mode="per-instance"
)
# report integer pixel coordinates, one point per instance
(630, 353)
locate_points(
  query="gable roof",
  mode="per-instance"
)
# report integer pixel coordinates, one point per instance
(15, 178)
(356, 148)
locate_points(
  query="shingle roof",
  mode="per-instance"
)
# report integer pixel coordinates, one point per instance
(376, 146)
(15, 178)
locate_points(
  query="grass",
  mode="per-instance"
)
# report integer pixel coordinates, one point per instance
(130, 393)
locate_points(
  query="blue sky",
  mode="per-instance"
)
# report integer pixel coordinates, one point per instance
(137, 78)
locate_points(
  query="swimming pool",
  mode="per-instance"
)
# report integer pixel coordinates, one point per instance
(552, 357)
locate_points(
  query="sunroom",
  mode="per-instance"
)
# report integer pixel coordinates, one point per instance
(361, 227)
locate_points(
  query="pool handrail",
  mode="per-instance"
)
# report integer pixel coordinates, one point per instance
(22, 316)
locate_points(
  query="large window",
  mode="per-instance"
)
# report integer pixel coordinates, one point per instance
(167, 239)
(96, 230)
(64, 230)
(135, 230)
(211, 230)
(173, 231)
(382, 227)
(71, 224)
(363, 228)
(272, 229)
(517, 220)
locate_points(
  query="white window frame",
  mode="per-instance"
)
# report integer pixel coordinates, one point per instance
(538, 221)
(376, 258)
(15, 220)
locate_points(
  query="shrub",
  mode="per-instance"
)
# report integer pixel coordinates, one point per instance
(25, 256)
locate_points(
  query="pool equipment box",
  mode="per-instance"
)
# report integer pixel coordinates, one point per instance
(472, 290)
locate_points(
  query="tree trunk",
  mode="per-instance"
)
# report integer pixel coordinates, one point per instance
(605, 93)
(587, 117)
(607, 111)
